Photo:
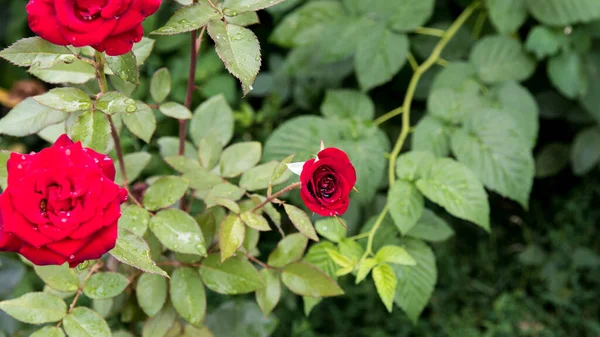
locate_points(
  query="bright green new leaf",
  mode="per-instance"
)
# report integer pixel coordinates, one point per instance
(239, 50)
(430, 227)
(289, 249)
(113, 102)
(567, 73)
(175, 110)
(165, 192)
(239, 158)
(231, 236)
(160, 85)
(212, 119)
(501, 58)
(4, 155)
(234, 276)
(414, 165)
(85, 322)
(141, 123)
(507, 15)
(385, 282)
(259, 177)
(351, 248)
(188, 295)
(134, 165)
(189, 18)
(341, 260)
(178, 231)
(35, 308)
(151, 293)
(347, 104)
(585, 152)
(457, 189)
(268, 297)
(395, 255)
(125, 66)
(301, 221)
(61, 278)
(36, 52)
(48, 331)
(331, 229)
(307, 280)
(65, 99)
(92, 129)
(134, 251)
(406, 205)
(105, 285)
(364, 268)
(29, 117)
(564, 12)
(255, 221)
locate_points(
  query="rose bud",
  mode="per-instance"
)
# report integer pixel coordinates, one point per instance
(61, 205)
(327, 182)
(106, 25)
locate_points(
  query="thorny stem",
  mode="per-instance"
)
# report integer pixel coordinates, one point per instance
(93, 269)
(276, 195)
(405, 110)
(103, 84)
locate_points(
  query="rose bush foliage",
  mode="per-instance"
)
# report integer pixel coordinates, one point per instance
(206, 166)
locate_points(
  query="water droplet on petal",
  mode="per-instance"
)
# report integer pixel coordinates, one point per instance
(72, 257)
(68, 152)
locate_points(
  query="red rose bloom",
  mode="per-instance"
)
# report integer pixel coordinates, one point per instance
(106, 25)
(327, 182)
(61, 204)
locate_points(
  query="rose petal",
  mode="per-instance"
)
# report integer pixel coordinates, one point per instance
(53, 232)
(100, 244)
(24, 230)
(41, 256)
(120, 44)
(68, 247)
(135, 14)
(88, 228)
(41, 17)
(8, 242)
(63, 141)
(112, 8)
(104, 162)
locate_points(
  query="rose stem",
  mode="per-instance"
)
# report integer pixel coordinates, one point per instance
(259, 262)
(94, 269)
(276, 195)
(102, 83)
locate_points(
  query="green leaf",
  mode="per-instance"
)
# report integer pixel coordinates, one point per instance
(169, 146)
(364, 268)
(235, 7)
(188, 19)
(347, 104)
(212, 119)
(457, 189)
(491, 145)
(183, 164)
(339, 41)
(380, 57)
(432, 135)
(244, 19)
(103, 307)
(178, 231)
(113, 102)
(142, 50)
(591, 101)
(385, 282)
(342, 261)
(564, 12)
(134, 251)
(77, 72)
(239, 50)
(65, 99)
(281, 169)
(155, 285)
(331, 229)
(501, 58)
(415, 283)
(255, 221)
(585, 152)
(234, 276)
(142, 123)
(289, 249)
(430, 227)
(29, 117)
(301, 221)
(567, 73)
(36, 52)
(209, 152)
(85, 322)
(401, 16)
(202, 181)
(175, 110)
(125, 66)
(4, 155)
(395, 255)
(307, 280)
(188, 295)
(35, 308)
(61, 278)
(224, 191)
(310, 303)
(105, 285)
(160, 85)
(92, 129)
(231, 236)
(165, 192)
(134, 165)
(406, 205)
(414, 165)
(259, 177)
(160, 324)
(522, 107)
(268, 296)
(543, 42)
(507, 15)
(552, 159)
(239, 158)
(453, 106)
(239, 319)
(317, 256)
(48, 331)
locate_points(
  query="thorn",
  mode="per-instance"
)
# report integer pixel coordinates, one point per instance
(355, 189)
(340, 221)
(322, 145)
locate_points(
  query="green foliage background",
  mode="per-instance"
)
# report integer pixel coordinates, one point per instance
(331, 70)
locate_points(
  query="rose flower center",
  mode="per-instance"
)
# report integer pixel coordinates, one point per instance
(327, 186)
(89, 10)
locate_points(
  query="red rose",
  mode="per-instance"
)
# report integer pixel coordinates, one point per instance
(106, 25)
(327, 182)
(61, 204)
